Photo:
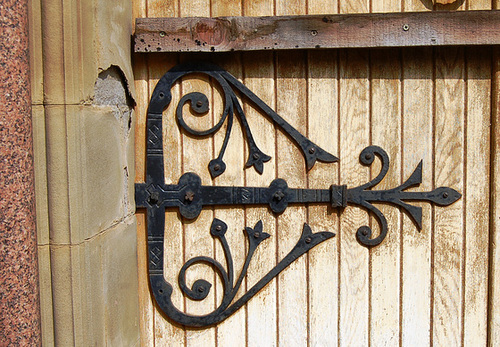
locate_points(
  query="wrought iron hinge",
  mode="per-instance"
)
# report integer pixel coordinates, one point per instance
(191, 196)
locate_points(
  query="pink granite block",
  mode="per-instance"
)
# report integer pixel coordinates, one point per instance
(19, 296)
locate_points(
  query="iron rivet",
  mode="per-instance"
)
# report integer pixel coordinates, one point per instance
(314, 32)
(256, 234)
(445, 195)
(201, 289)
(308, 240)
(278, 195)
(189, 196)
(312, 150)
(162, 34)
(217, 167)
(365, 232)
(256, 156)
(218, 228)
(368, 156)
(406, 27)
(199, 103)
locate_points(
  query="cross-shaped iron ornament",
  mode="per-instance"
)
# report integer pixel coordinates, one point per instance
(190, 195)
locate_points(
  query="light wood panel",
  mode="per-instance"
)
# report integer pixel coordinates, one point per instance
(146, 319)
(291, 91)
(448, 248)
(477, 172)
(385, 259)
(416, 288)
(417, 93)
(494, 280)
(354, 137)
(323, 271)
(262, 309)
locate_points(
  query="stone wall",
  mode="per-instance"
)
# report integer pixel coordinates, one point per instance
(84, 150)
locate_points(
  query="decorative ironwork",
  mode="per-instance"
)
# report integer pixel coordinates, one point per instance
(190, 196)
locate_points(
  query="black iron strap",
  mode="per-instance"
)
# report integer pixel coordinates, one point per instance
(190, 196)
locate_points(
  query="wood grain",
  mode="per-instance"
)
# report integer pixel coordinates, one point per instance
(323, 259)
(322, 127)
(494, 285)
(360, 30)
(416, 288)
(262, 308)
(146, 308)
(416, 246)
(354, 137)
(292, 282)
(231, 332)
(449, 171)
(385, 259)
(478, 195)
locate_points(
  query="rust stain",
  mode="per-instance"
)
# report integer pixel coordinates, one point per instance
(212, 32)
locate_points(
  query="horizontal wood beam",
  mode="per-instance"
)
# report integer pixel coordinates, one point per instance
(409, 29)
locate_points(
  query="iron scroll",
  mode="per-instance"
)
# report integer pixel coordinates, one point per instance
(190, 196)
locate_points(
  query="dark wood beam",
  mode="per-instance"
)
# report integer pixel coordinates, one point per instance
(222, 34)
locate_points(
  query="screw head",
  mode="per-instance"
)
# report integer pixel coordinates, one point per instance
(256, 234)
(308, 239)
(199, 103)
(201, 289)
(218, 228)
(312, 150)
(445, 195)
(216, 167)
(368, 156)
(256, 156)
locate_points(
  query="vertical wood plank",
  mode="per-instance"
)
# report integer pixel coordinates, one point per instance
(292, 286)
(197, 152)
(478, 172)
(231, 332)
(494, 285)
(385, 258)
(322, 110)
(259, 74)
(173, 250)
(354, 137)
(146, 319)
(323, 259)
(449, 171)
(291, 94)
(477, 202)
(386, 132)
(196, 155)
(417, 145)
(164, 331)
(261, 311)
(416, 246)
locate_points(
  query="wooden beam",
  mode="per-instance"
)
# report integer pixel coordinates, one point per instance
(222, 34)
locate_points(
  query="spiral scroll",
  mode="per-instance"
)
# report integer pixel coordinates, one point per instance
(199, 104)
(200, 289)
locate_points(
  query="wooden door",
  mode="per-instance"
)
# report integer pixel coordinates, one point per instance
(433, 287)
